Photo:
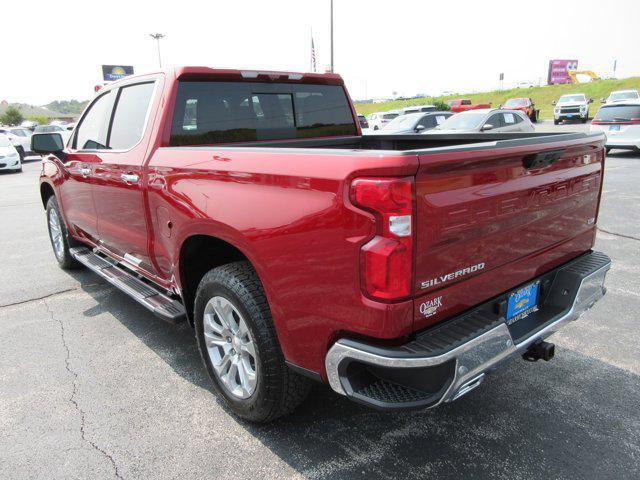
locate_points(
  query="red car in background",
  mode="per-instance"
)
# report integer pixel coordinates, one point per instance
(525, 105)
(464, 104)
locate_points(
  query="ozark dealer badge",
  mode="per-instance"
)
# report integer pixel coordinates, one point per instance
(430, 307)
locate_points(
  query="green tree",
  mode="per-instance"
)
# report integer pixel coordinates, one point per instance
(39, 119)
(11, 116)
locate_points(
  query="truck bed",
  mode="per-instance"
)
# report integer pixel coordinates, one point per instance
(411, 144)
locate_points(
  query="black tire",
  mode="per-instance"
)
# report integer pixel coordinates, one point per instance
(64, 258)
(375, 127)
(279, 390)
(584, 120)
(607, 150)
(20, 153)
(556, 122)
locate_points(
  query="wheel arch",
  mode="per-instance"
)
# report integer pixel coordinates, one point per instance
(200, 253)
(46, 192)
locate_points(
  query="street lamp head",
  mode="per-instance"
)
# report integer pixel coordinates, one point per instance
(157, 36)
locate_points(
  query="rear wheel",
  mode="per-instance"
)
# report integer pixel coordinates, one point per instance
(556, 122)
(239, 345)
(61, 241)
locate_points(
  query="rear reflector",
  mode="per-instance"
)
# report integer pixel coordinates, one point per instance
(387, 259)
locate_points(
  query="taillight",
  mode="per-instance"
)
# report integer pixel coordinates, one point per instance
(387, 259)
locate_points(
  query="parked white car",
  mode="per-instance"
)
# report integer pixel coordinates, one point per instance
(64, 133)
(418, 109)
(623, 96)
(9, 157)
(413, 123)
(485, 120)
(20, 138)
(570, 107)
(380, 119)
(620, 122)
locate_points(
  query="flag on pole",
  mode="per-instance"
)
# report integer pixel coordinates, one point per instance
(313, 55)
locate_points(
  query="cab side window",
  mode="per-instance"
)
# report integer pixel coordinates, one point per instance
(92, 132)
(130, 115)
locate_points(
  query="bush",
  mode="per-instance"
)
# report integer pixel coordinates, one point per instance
(11, 116)
(441, 106)
(39, 119)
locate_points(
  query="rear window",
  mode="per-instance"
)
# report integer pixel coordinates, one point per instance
(618, 113)
(390, 116)
(617, 96)
(224, 112)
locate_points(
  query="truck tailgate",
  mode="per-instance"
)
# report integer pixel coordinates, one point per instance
(493, 216)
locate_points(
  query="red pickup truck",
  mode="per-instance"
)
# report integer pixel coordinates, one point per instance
(400, 270)
(464, 104)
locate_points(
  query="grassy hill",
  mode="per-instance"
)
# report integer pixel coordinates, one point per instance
(542, 96)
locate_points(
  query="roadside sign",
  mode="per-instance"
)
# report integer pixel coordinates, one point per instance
(111, 73)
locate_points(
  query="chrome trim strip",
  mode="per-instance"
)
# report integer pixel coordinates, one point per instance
(479, 355)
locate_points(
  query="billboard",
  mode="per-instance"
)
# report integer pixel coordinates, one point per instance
(559, 71)
(115, 72)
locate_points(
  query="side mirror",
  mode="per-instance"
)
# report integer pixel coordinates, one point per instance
(419, 128)
(553, 103)
(46, 143)
(591, 100)
(486, 126)
(603, 100)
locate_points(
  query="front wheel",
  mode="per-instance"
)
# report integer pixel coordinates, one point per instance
(556, 122)
(239, 345)
(20, 153)
(61, 241)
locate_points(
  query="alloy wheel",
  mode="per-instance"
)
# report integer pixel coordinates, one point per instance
(230, 347)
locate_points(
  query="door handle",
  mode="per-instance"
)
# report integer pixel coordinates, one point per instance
(129, 178)
(85, 172)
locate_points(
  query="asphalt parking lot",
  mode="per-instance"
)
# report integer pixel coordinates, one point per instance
(94, 386)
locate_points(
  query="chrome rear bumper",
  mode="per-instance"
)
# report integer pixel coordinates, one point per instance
(377, 376)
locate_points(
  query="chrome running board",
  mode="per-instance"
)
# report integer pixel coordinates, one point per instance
(147, 295)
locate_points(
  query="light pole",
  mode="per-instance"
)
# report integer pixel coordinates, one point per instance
(157, 37)
(331, 36)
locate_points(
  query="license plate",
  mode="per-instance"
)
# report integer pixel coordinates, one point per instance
(522, 302)
(614, 128)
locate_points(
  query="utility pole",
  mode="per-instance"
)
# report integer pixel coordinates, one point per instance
(615, 66)
(331, 36)
(157, 37)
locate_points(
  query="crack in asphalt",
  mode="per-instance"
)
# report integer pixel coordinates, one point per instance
(43, 297)
(72, 398)
(630, 237)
